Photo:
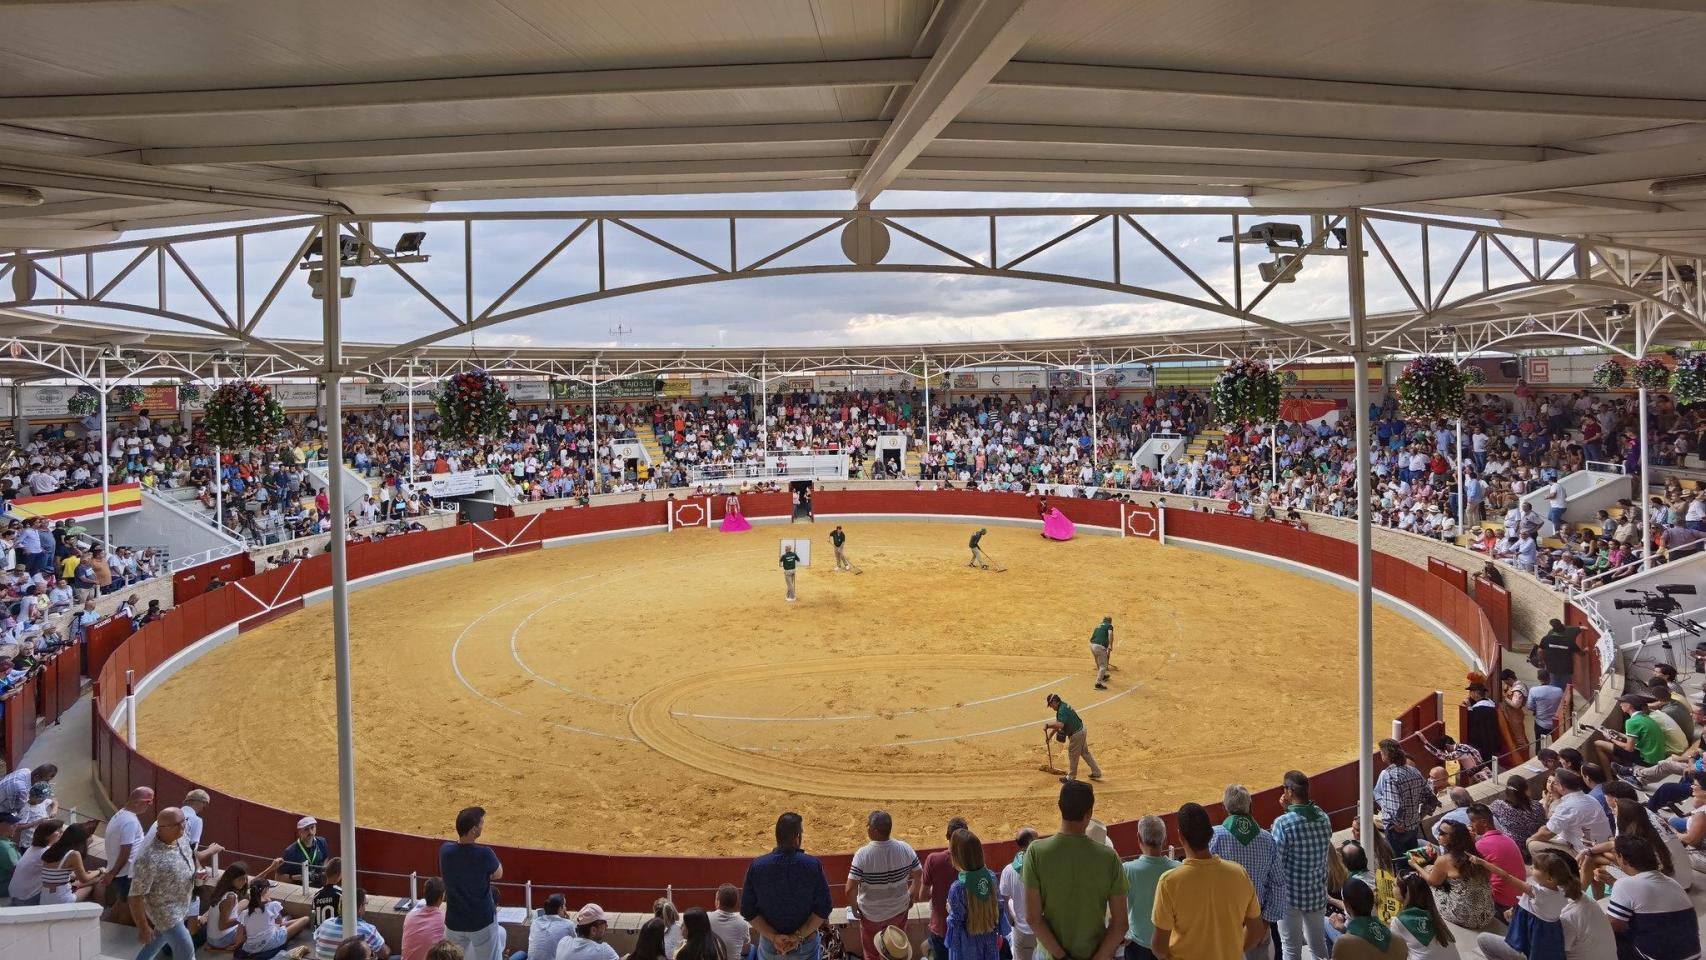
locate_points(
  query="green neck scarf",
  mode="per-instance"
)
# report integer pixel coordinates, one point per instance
(1019, 862)
(1370, 930)
(980, 884)
(1307, 811)
(1242, 828)
(1420, 925)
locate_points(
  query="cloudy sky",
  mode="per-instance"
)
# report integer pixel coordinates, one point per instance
(832, 308)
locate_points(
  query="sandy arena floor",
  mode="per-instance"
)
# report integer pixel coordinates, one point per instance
(657, 695)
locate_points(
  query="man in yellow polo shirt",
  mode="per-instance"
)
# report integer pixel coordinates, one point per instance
(1206, 907)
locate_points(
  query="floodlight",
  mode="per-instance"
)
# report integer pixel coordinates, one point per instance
(1270, 234)
(11, 196)
(1275, 270)
(409, 243)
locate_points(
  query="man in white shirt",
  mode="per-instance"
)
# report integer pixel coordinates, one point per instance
(1012, 891)
(1575, 820)
(728, 925)
(123, 841)
(880, 880)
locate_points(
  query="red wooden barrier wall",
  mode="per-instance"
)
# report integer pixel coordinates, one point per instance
(1495, 602)
(255, 828)
(188, 583)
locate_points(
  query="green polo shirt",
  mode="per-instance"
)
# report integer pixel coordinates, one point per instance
(1649, 738)
(1068, 718)
(790, 560)
(1102, 634)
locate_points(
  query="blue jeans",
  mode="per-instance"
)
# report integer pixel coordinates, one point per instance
(811, 948)
(176, 936)
(1556, 515)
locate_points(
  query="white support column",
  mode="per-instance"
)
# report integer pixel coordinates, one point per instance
(763, 409)
(925, 361)
(1095, 428)
(218, 467)
(333, 375)
(130, 708)
(106, 448)
(411, 432)
(597, 464)
(1646, 485)
(1273, 455)
(1365, 533)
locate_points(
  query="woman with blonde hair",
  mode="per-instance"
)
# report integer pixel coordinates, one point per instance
(976, 921)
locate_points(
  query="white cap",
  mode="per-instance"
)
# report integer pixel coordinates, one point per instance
(306, 822)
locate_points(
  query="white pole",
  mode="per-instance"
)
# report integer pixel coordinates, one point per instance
(414, 877)
(411, 432)
(763, 411)
(597, 465)
(1095, 428)
(218, 470)
(340, 574)
(925, 358)
(1365, 536)
(1273, 455)
(1641, 498)
(106, 499)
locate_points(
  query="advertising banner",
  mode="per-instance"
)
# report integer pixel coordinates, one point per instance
(626, 388)
(48, 402)
(453, 484)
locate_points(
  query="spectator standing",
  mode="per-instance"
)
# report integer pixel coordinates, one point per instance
(15, 790)
(470, 868)
(937, 877)
(1242, 841)
(881, 879)
(1023, 941)
(785, 896)
(726, 922)
(162, 881)
(1399, 792)
(1074, 886)
(1305, 837)
(1206, 908)
(1543, 699)
(976, 921)
(424, 925)
(1075, 889)
(122, 842)
(1141, 876)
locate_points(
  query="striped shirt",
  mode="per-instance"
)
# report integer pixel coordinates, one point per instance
(328, 935)
(884, 871)
(1659, 914)
(1303, 844)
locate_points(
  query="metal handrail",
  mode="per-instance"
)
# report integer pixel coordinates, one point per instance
(172, 505)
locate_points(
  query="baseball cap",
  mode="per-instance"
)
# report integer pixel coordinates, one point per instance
(306, 822)
(590, 914)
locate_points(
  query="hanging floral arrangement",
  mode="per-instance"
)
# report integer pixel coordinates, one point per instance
(1473, 376)
(188, 393)
(1431, 386)
(83, 403)
(241, 413)
(472, 404)
(1247, 390)
(1651, 372)
(1688, 380)
(1610, 375)
(1290, 378)
(126, 397)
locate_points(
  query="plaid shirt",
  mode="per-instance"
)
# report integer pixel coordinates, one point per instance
(1260, 858)
(1399, 793)
(1303, 852)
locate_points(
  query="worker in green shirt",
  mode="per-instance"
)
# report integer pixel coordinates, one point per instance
(839, 539)
(1642, 742)
(789, 561)
(1066, 725)
(1102, 644)
(977, 557)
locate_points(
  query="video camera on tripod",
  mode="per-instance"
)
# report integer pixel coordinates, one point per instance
(1661, 606)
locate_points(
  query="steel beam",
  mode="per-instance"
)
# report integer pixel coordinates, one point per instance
(981, 37)
(1676, 160)
(1031, 133)
(620, 171)
(528, 86)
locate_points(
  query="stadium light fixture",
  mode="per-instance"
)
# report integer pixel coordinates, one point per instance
(1678, 186)
(14, 196)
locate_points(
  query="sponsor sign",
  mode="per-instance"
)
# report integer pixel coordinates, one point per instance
(626, 388)
(453, 484)
(45, 401)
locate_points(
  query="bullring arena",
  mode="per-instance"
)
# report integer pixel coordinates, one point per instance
(604, 695)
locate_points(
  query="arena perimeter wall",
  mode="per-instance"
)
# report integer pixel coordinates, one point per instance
(629, 882)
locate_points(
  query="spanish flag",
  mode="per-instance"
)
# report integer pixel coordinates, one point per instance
(79, 504)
